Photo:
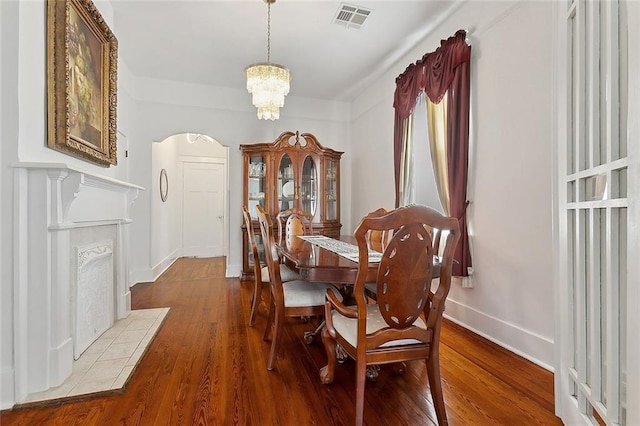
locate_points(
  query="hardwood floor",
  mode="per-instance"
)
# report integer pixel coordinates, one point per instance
(207, 367)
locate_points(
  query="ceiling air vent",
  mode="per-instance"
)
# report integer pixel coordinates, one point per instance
(350, 16)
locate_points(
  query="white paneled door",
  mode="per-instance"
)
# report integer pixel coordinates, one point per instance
(203, 209)
(597, 194)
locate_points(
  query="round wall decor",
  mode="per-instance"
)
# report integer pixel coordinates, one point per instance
(164, 185)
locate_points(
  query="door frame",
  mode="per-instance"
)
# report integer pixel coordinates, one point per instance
(633, 186)
(566, 408)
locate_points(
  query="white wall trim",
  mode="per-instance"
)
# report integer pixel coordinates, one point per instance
(137, 276)
(152, 90)
(6, 388)
(233, 270)
(164, 264)
(537, 349)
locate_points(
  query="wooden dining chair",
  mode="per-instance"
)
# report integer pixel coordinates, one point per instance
(377, 241)
(404, 323)
(295, 298)
(260, 272)
(293, 222)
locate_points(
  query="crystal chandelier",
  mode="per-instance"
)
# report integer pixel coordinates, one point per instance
(267, 82)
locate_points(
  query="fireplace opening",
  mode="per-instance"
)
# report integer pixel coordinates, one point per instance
(95, 292)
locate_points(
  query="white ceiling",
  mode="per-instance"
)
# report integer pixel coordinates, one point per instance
(212, 41)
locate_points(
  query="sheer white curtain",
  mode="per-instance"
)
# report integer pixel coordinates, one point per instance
(406, 163)
(418, 179)
(437, 124)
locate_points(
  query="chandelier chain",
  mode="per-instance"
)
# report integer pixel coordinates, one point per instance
(268, 33)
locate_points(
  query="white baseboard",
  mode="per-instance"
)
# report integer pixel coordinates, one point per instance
(164, 265)
(234, 270)
(531, 346)
(61, 362)
(140, 276)
(150, 275)
(7, 395)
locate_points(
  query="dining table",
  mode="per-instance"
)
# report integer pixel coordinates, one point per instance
(316, 263)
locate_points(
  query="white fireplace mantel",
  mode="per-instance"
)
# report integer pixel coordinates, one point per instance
(58, 208)
(83, 196)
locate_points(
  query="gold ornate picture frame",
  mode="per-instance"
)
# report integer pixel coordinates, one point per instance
(82, 61)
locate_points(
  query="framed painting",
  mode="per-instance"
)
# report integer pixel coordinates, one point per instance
(82, 61)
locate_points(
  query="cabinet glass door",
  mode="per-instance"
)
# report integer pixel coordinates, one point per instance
(286, 184)
(257, 183)
(331, 193)
(309, 186)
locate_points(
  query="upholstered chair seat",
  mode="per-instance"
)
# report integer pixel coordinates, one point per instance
(304, 293)
(286, 273)
(348, 327)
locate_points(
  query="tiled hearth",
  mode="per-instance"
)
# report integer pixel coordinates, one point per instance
(109, 362)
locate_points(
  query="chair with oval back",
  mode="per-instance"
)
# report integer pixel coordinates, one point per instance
(260, 273)
(295, 298)
(378, 241)
(404, 323)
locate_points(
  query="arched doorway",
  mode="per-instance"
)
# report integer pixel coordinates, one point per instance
(192, 220)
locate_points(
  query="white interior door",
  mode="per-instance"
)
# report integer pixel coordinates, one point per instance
(597, 380)
(203, 209)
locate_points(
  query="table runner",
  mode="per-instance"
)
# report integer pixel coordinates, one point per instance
(341, 248)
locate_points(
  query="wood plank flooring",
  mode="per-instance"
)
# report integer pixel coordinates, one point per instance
(207, 367)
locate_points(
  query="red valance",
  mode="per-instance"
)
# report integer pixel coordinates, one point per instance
(408, 85)
(433, 73)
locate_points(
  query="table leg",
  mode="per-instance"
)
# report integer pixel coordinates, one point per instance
(309, 336)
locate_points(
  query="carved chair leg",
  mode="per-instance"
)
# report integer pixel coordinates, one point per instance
(326, 372)
(267, 327)
(341, 354)
(361, 370)
(277, 336)
(435, 384)
(255, 302)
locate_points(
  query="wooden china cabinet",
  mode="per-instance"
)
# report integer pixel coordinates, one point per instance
(292, 171)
